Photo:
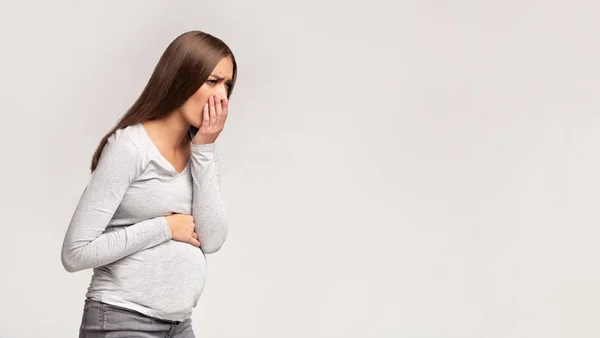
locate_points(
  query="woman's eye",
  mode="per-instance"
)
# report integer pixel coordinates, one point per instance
(212, 82)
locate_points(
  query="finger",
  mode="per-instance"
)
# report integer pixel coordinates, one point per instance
(194, 242)
(225, 107)
(212, 112)
(205, 115)
(224, 110)
(218, 106)
(195, 235)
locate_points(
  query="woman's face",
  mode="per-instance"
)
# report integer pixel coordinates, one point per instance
(218, 83)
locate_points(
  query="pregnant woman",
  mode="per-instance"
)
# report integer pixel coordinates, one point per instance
(153, 208)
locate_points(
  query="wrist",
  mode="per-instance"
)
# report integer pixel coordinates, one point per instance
(202, 140)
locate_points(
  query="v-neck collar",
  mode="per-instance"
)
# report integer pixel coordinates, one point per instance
(162, 158)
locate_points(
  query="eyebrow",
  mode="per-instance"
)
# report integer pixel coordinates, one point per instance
(217, 77)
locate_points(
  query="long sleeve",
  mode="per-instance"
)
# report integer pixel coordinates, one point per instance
(86, 244)
(207, 206)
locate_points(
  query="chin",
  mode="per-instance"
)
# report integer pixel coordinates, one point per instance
(195, 124)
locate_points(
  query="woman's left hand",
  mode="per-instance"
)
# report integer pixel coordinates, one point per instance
(213, 120)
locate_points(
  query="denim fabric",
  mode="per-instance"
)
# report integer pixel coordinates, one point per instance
(102, 320)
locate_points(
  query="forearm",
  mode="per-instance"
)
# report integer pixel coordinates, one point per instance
(208, 209)
(81, 252)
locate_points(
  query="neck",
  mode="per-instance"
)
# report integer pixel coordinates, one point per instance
(172, 131)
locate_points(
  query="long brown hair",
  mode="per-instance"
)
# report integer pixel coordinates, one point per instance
(184, 66)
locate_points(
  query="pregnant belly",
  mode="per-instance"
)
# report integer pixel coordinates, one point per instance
(169, 277)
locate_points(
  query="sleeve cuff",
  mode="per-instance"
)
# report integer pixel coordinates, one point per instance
(166, 229)
(203, 147)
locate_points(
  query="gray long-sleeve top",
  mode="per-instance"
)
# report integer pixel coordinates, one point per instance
(119, 227)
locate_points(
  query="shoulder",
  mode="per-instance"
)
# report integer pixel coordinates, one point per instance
(125, 141)
(122, 149)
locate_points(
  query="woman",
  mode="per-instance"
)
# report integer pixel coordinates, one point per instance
(153, 207)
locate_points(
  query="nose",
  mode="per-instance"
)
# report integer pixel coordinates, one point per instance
(222, 91)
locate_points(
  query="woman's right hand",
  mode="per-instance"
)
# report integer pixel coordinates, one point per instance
(182, 228)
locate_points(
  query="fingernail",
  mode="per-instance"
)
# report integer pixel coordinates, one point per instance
(218, 97)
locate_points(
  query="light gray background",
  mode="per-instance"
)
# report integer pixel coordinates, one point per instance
(420, 168)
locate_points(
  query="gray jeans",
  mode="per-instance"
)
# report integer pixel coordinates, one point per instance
(102, 320)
